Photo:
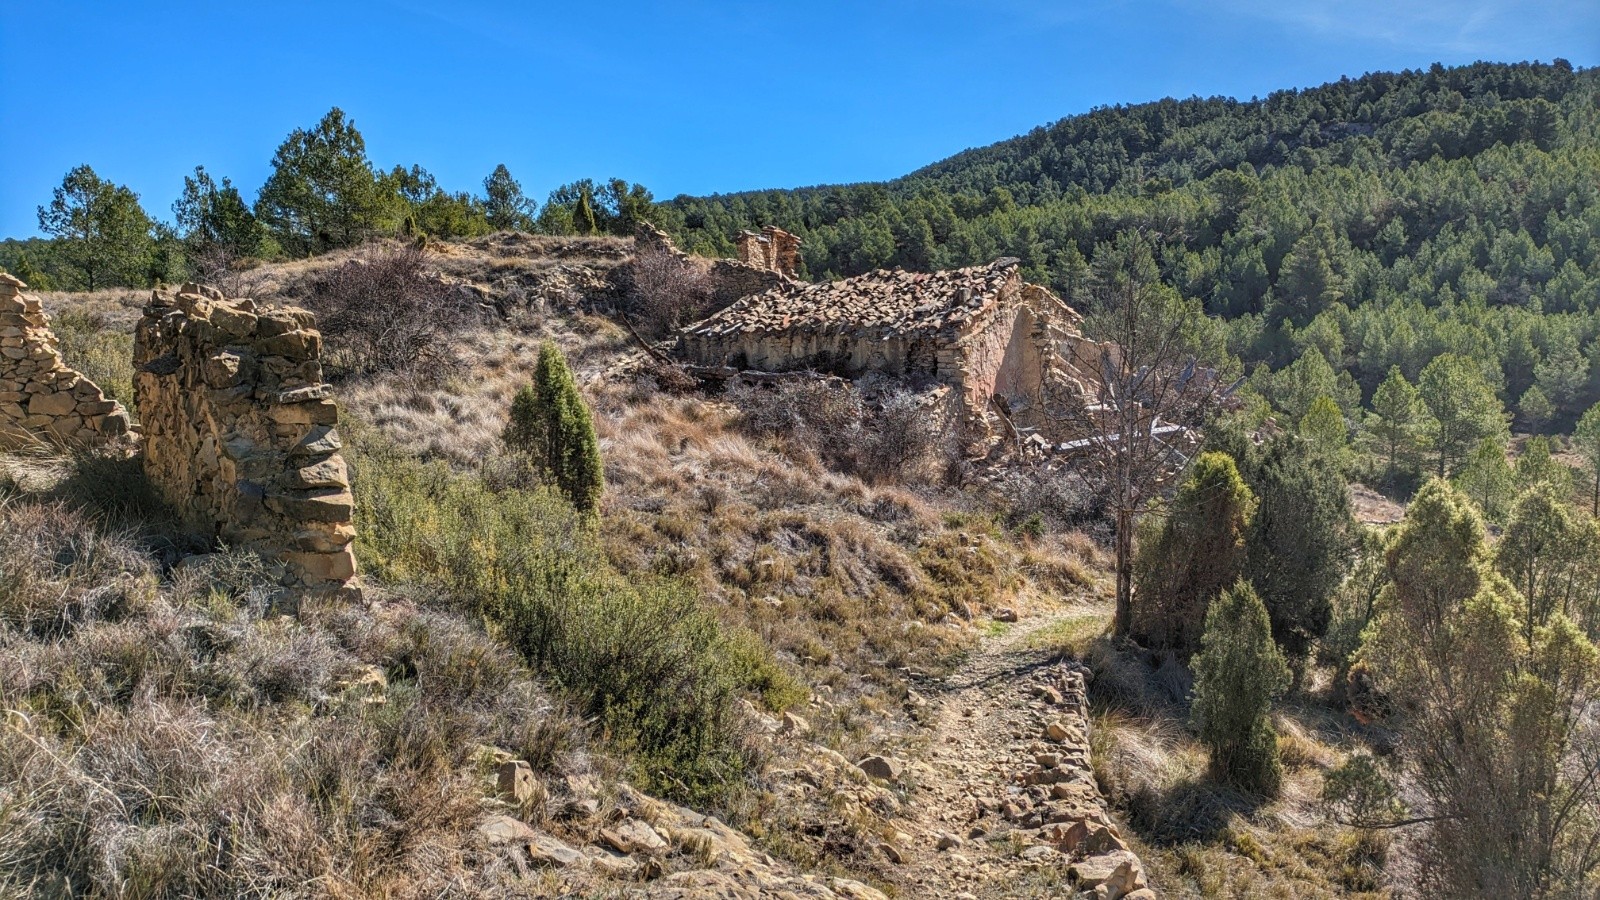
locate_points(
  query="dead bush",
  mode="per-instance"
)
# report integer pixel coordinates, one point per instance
(1054, 501)
(894, 437)
(665, 291)
(162, 739)
(387, 312)
(881, 439)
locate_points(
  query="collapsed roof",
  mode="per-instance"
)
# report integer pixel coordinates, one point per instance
(884, 301)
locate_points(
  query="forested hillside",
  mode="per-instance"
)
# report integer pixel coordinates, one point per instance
(1382, 222)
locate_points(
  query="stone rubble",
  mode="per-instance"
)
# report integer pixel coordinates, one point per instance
(727, 280)
(1006, 792)
(41, 398)
(660, 850)
(240, 430)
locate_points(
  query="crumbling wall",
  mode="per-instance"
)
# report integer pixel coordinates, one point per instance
(842, 352)
(41, 398)
(1011, 353)
(239, 430)
(773, 250)
(729, 280)
(726, 280)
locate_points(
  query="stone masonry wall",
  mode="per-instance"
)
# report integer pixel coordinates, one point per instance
(41, 399)
(773, 250)
(240, 430)
(727, 280)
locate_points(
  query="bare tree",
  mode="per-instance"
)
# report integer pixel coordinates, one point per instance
(220, 267)
(1149, 390)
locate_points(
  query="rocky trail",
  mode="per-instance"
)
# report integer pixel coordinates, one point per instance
(1005, 801)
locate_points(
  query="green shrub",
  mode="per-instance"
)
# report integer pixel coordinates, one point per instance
(1195, 553)
(1238, 672)
(642, 658)
(551, 428)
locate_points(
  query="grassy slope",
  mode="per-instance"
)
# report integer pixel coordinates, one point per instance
(848, 586)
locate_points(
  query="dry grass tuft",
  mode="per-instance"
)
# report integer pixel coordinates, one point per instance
(161, 738)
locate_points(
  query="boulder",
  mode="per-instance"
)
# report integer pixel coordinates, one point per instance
(544, 850)
(633, 836)
(880, 767)
(1118, 870)
(498, 830)
(515, 782)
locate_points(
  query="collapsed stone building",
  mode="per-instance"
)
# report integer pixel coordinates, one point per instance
(240, 430)
(725, 280)
(772, 249)
(41, 398)
(983, 330)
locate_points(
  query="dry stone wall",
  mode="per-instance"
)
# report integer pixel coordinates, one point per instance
(41, 398)
(726, 280)
(772, 250)
(240, 430)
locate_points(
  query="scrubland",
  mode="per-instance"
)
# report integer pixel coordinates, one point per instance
(169, 734)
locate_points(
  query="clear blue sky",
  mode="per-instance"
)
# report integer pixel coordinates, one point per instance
(686, 97)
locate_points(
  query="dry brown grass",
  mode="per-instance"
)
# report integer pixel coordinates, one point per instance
(161, 738)
(1200, 838)
(850, 584)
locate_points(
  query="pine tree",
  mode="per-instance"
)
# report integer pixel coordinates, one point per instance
(213, 219)
(1487, 478)
(1464, 407)
(1299, 540)
(1238, 672)
(1324, 427)
(552, 429)
(1587, 441)
(323, 192)
(1308, 282)
(31, 274)
(1536, 409)
(1537, 466)
(1563, 372)
(101, 232)
(1398, 420)
(507, 208)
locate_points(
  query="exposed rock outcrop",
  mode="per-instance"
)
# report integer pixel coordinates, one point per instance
(240, 430)
(41, 398)
(658, 849)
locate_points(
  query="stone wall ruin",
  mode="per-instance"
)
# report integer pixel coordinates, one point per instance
(772, 250)
(726, 280)
(240, 430)
(983, 330)
(41, 398)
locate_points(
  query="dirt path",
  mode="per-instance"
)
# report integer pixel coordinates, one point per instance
(990, 727)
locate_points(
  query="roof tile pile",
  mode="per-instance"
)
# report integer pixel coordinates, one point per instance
(888, 301)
